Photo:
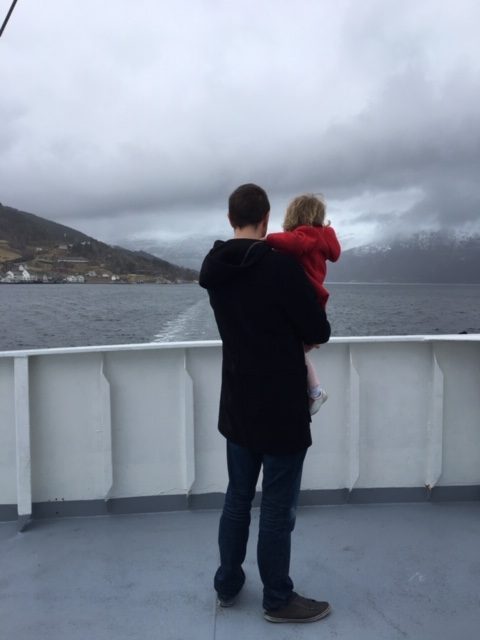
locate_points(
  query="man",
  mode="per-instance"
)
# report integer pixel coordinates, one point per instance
(266, 310)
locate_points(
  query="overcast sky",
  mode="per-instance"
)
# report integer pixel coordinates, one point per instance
(137, 119)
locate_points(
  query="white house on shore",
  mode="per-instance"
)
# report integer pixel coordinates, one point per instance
(8, 277)
(22, 275)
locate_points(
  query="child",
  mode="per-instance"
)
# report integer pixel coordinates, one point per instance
(313, 241)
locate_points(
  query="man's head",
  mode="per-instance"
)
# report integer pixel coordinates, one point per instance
(248, 205)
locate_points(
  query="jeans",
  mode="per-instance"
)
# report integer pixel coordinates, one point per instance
(282, 475)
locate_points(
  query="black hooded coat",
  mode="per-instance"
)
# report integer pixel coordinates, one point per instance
(266, 310)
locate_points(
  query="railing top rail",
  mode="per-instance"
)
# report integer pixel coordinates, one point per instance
(152, 346)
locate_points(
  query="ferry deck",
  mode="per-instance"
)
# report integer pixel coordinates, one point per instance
(111, 481)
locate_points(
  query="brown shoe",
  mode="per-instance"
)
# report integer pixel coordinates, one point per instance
(299, 609)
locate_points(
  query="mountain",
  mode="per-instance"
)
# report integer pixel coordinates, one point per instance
(46, 247)
(188, 251)
(426, 257)
(437, 257)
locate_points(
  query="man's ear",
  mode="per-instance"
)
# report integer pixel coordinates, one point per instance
(230, 220)
(265, 224)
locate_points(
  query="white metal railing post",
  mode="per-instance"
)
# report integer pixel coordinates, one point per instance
(22, 431)
(104, 430)
(434, 452)
(188, 428)
(353, 423)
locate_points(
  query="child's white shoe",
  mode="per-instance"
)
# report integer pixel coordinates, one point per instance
(317, 401)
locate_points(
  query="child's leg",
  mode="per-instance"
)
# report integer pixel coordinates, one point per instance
(316, 394)
(312, 378)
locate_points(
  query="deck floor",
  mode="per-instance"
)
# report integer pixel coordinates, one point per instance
(389, 571)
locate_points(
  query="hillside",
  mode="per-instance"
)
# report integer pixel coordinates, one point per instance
(47, 248)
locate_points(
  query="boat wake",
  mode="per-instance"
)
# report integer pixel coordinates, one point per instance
(195, 323)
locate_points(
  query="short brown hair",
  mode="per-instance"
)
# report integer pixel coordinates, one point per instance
(308, 209)
(248, 204)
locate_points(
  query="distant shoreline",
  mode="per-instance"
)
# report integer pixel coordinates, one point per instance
(331, 282)
(109, 282)
(423, 284)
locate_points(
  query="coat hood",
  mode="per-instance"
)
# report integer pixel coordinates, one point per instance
(229, 259)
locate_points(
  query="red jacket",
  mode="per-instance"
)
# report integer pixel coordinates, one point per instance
(312, 246)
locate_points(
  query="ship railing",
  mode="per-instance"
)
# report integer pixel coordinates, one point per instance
(133, 428)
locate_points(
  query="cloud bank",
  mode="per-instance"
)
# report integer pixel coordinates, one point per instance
(126, 119)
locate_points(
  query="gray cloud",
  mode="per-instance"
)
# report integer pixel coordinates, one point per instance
(146, 117)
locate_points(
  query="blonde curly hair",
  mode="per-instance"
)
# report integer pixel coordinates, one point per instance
(308, 209)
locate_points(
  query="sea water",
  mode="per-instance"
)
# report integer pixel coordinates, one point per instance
(66, 315)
